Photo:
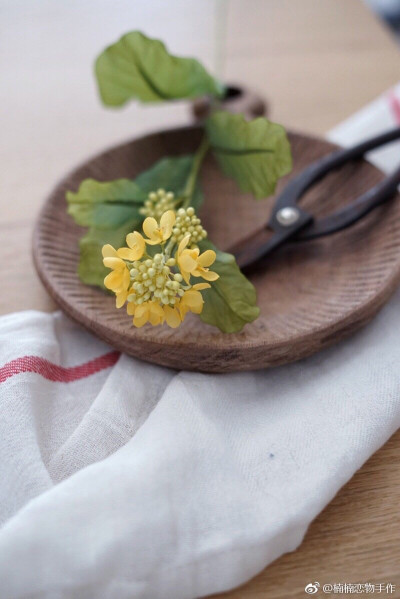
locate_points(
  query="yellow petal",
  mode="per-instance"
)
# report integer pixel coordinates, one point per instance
(197, 309)
(208, 275)
(114, 263)
(186, 262)
(166, 223)
(185, 275)
(183, 243)
(130, 308)
(207, 258)
(153, 241)
(141, 315)
(142, 310)
(113, 280)
(182, 309)
(108, 251)
(139, 321)
(172, 317)
(150, 226)
(194, 300)
(156, 315)
(194, 253)
(120, 298)
(200, 286)
(154, 319)
(127, 254)
(126, 279)
(136, 242)
(156, 308)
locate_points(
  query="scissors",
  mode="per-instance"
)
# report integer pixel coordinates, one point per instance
(289, 222)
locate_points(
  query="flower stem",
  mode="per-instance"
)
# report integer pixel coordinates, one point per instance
(194, 173)
(169, 247)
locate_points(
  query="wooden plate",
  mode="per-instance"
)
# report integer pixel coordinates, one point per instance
(311, 294)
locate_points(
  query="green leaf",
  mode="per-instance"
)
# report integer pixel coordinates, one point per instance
(111, 210)
(105, 205)
(254, 153)
(140, 67)
(230, 302)
(110, 204)
(91, 270)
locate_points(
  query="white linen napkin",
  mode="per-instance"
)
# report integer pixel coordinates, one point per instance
(121, 479)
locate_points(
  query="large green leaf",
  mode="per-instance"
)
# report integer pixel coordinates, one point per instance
(139, 67)
(108, 205)
(230, 302)
(105, 205)
(111, 209)
(254, 153)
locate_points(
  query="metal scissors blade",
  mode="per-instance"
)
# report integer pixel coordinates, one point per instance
(289, 221)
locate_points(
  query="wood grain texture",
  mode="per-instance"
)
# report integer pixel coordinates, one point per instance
(311, 294)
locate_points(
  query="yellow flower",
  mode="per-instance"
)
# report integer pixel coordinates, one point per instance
(119, 279)
(159, 233)
(155, 293)
(154, 313)
(135, 249)
(146, 312)
(172, 316)
(191, 262)
(192, 300)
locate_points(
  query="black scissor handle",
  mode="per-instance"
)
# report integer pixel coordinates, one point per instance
(350, 214)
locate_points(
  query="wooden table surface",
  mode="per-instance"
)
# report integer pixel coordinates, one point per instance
(317, 61)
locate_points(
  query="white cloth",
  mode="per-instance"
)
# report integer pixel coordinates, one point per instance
(137, 481)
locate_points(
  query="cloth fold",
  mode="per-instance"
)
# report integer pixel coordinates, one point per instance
(121, 479)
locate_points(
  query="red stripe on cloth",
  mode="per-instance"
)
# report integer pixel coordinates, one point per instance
(56, 373)
(394, 103)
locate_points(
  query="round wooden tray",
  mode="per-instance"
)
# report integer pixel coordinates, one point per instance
(311, 294)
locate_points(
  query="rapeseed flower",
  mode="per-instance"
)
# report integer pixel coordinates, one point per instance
(154, 289)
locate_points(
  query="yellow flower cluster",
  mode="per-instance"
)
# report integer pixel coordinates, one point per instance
(188, 222)
(157, 288)
(157, 203)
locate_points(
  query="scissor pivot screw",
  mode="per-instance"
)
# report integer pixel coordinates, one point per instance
(287, 216)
